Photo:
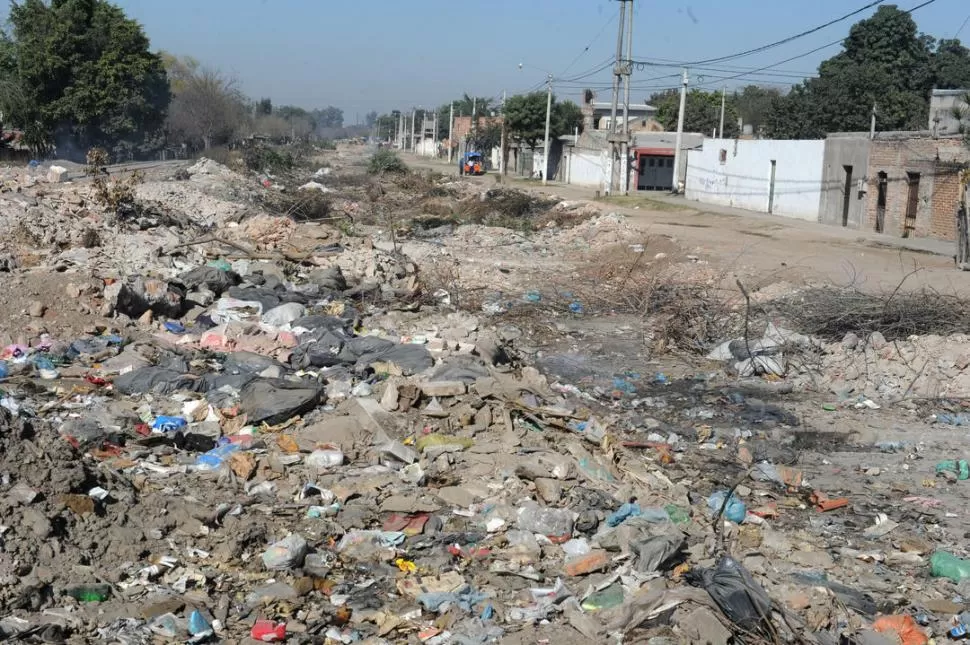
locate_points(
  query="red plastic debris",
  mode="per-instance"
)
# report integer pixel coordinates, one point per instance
(267, 631)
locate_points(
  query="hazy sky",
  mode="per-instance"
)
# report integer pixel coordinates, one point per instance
(385, 54)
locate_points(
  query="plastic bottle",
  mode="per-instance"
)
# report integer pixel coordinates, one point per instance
(946, 565)
(735, 509)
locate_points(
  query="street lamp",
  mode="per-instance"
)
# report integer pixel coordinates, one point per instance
(545, 146)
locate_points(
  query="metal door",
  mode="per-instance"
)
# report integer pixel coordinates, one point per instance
(912, 203)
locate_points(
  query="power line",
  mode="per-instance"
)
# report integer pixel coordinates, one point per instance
(783, 41)
(809, 53)
(965, 21)
(592, 42)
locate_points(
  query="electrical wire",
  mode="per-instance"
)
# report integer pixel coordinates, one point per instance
(965, 21)
(592, 42)
(784, 41)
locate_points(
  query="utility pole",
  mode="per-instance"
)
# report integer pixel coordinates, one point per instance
(400, 130)
(501, 148)
(434, 135)
(680, 134)
(616, 98)
(872, 125)
(414, 115)
(545, 171)
(451, 131)
(723, 95)
(628, 71)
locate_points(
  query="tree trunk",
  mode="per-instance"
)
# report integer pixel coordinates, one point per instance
(206, 142)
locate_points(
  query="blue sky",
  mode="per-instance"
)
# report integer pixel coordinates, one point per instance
(385, 54)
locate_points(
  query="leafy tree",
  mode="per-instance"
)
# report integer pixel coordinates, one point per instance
(884, 62)
(487, 136)
(370, 119)
(467, 104)
(702, 111)
(208, 109)
(951, 61)
(752, 104)
(525, 117)
(264, 107)
(329, 117)
(86, 75)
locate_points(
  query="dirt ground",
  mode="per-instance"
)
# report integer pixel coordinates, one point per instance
(762, 249)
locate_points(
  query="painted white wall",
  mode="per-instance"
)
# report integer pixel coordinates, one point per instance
(588, 168)
(743, 180)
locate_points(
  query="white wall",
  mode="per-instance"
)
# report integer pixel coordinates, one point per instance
(743, 179)
(588, 167)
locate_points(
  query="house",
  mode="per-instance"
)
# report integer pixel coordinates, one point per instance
(770, 176)
(913, 184)
(597, 115)
(949, 111)
(905, 184)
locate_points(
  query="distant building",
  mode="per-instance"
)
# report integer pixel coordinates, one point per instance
(598, 115)
(949, 111)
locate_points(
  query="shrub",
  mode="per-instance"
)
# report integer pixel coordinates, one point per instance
(386, 161)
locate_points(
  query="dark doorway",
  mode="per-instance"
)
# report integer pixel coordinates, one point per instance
(656, 173)
(847, 193)
(771, 188)
(881, 202)
(912, 202)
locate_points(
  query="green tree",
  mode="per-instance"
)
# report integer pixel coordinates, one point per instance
(951, 62)
(525, 118)
(702, 111)
(884, 62)
(753, 104)
(264, 107)
(87, 77)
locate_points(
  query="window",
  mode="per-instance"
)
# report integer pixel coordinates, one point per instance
(670, 162)
(650, 161)
(722, 157)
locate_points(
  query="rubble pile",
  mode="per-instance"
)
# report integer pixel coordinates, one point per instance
(271, 435)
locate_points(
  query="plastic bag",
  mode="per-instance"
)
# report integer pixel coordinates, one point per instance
(735, 510)
(742, 600)
(903, 627)
(288, 553)
(946, 565)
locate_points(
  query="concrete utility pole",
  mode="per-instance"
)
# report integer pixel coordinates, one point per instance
(723, 94)
(501, 148)
(545, 171)
(616, 98)
(414, 116)
(872, 125)
(628, 70)
(400, 130)
(434, 134)
(451, 131)
(680, 134)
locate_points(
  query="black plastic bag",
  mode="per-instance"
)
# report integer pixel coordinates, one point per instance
(739, 596)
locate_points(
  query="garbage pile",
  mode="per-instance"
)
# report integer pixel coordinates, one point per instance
(297, 449)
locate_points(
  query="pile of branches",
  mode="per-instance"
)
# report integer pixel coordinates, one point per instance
(831, 313)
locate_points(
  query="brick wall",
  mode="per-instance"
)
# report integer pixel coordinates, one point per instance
(937, 162)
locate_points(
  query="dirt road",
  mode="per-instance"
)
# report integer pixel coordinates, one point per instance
(763, 249)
